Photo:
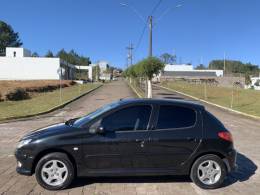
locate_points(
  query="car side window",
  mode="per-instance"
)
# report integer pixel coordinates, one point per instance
(126, 119)
(171, 117)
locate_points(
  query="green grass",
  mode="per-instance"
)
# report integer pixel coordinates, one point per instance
(42, 102)
(136, 86)
(244, 100)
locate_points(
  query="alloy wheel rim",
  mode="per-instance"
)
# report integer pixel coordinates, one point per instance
(209, 172)
(54, 172)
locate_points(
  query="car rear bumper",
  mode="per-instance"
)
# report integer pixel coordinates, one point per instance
(230, 160)
(24, 163)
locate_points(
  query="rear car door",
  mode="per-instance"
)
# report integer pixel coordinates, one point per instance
(176, 134)
(122, 146)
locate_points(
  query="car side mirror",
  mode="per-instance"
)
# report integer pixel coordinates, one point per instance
(100, 130)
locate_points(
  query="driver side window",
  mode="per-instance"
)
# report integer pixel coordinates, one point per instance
(126, 119)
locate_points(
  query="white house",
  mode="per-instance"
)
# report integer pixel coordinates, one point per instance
(17, 52)
(185, 71)
(180, 67)
(19, 65)
(184, 68)
(103, 65)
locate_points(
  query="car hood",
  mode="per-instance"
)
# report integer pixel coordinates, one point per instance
(55, 129)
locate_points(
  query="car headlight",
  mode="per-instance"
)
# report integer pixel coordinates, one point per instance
(23, 143)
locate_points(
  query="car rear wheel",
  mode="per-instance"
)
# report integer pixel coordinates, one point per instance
(208, 172)
(54, 171)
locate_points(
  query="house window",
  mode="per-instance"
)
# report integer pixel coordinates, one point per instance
(14, 54)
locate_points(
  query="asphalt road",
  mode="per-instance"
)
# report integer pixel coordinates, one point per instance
(246, 134)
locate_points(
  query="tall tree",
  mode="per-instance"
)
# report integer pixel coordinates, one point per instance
(49, 54)
(168, 58)
(8, 38)
(35, 54)
(201, 67)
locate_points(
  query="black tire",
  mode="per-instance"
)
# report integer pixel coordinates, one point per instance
(194, 171)
(62, 157)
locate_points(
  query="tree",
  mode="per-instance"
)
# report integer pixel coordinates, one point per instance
(200, 67)
(146, 68)
(247, 79)
(49, 54)
(234, 66)
(62, 54)
(35, 54)
(96, 72)
(73, 58)
(168, 58)
(8, 38)
(149, 67)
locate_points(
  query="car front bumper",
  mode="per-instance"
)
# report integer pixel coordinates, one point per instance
(24, 163)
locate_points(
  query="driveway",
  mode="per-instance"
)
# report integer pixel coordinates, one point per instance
(246, 134)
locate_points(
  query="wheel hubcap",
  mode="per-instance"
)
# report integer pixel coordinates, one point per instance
(54, 172)
(209, 172)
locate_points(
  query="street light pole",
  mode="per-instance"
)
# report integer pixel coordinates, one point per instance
(150, 36)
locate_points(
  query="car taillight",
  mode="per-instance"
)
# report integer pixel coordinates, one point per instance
(225, 135)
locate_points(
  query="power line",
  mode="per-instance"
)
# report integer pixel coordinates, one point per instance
(167, 11)
(141, 35)
(155, 7)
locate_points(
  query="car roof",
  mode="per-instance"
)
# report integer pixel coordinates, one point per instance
(189, 103)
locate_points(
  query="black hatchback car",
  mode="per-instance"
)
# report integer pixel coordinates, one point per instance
(132, 137)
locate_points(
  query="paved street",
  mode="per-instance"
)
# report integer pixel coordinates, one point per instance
(246, 134)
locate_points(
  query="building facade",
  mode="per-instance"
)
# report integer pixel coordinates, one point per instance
(19, 65)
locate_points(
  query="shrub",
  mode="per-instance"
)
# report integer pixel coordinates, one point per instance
(1, 97)
(73, 83)
(18, 94)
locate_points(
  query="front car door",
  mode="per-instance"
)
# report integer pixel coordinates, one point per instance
(122, 147)
(176, 134)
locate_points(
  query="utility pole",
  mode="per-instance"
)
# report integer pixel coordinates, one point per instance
(150, 36)
(224, 63)
(130, 54)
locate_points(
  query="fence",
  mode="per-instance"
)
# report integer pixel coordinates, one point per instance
(235, 97)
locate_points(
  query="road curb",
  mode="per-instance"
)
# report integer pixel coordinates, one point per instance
(13, 119)
(139, 95)
(210, 103)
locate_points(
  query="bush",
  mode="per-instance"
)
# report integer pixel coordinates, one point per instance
(1, 97)
(18, 94)
(73, 83)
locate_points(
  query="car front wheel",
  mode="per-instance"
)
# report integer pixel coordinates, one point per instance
(54, 171)
(208, 172)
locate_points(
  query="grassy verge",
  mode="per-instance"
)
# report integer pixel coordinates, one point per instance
(42, 102)
(244, 100)
(135, 86)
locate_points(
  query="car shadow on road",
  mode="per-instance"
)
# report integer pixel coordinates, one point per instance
(79, 182)
(246, 169)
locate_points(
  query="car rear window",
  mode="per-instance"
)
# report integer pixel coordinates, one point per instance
(171, 117)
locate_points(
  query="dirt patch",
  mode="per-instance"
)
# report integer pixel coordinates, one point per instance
(32, 86)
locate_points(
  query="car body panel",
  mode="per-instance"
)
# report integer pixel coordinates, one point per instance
(143, 152)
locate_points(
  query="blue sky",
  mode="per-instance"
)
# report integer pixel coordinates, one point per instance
(101, 29)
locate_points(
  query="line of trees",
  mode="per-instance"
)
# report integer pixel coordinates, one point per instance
(234, 66)
(146, 68)
(73, 58)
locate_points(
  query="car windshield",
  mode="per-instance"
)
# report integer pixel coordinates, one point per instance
(85, 119)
